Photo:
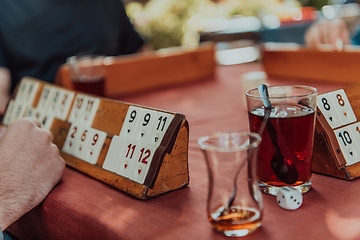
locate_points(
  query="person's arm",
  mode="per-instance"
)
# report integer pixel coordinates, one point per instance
(30, 166)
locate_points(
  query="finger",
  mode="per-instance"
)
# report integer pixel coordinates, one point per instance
(324, 31)
(313, 38)
(335, 35)
(49, 135)
(345, 36)
(33, 120)
(346, 39)
(307, 37)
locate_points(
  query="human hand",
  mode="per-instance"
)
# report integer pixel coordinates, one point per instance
(30, 166)
(327, 32)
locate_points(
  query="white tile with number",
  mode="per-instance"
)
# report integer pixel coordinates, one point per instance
(130, 122)
(93, 146)
(72, 139)
(9, 114)
(44, 102)
(129, 153)
(20, 94)
(113, 155)
(83, 140)
(77, 108)
(29, 112)
(343, 107)
(31, 92)
(142, 163)
(157, 133)
(46, 120)
(36, 114)
(328, 108)
(355, 132)
(144, 125)
(32, 112)
(347, 145)
(27, 91)
(65, 101)
(54, 101)
(19, 111)
(89, 110)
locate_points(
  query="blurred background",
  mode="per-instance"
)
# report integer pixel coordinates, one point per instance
(235, 25)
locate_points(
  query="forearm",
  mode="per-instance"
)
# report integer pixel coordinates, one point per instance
(18, 192)
(13, 206)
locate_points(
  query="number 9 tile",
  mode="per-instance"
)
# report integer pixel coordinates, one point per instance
(93, 146)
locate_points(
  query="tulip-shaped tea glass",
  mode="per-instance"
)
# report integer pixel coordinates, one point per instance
(87, 73)
(234, 204)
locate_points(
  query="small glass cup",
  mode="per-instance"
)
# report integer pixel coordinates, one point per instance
(285, 153)
(234, 204)
(87, 73)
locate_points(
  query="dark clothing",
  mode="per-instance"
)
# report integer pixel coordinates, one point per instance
(37, 36)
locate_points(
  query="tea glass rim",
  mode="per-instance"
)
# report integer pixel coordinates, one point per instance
(204, 146)
(313, 91)
(98, 59)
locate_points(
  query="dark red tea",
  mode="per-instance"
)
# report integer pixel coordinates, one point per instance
(93, 86)
(294, 128)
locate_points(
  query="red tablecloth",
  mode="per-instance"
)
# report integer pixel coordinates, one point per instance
(83, 208)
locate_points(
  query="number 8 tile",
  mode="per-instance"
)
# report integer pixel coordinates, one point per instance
(328, 108)
(343, 107)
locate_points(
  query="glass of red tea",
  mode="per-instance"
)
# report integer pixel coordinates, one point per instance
(87, 73)
(285, 152)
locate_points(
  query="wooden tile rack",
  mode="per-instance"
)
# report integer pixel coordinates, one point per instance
(337, 142)
(166, 168)
(291, 61)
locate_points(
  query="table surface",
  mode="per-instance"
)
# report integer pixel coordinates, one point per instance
(80, 207)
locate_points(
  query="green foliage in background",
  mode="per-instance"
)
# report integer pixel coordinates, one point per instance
(167, 23)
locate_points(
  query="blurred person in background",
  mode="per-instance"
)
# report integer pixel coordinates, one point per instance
(328, 32)
(334, 32)
(37, 36)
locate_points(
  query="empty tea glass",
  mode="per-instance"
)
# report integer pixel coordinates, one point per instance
(234, 204)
